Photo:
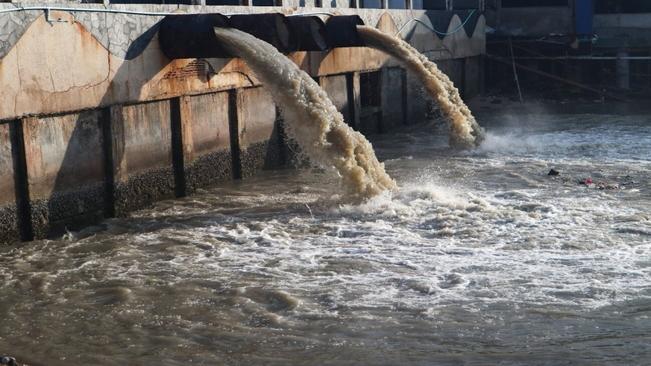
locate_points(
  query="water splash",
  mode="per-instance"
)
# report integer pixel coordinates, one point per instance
(465, 132)
(311, 120)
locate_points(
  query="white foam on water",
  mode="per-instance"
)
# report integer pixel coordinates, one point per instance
(471, 241)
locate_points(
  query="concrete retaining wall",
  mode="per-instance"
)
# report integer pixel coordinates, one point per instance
(207, 157)
(258, 138)
(141, 151)
(99, 123)
(74, 60)
(65, 171)
(393, 97)
(338, 91)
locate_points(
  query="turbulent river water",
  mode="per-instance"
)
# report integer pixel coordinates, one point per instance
(479, 258)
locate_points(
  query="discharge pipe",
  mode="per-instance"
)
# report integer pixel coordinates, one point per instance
(272, 28)
(341, 31)
(192, 36)
(310, 33)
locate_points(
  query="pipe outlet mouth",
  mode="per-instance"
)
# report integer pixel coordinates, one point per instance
(309, 31)
(272, 28)
(341, 31)
(192, 36)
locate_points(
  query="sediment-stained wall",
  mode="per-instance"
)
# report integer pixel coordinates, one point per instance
(258, 139)
(95, 122)
(207, 156)
(141, 155)
(64, 170)
(8, 209)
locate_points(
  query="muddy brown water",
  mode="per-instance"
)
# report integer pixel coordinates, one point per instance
(479, 258)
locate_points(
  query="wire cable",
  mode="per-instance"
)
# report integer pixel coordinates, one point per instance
(432, 29)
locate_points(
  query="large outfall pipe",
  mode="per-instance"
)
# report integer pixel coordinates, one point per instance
(192, 36)
(341, 31)
(309, 33)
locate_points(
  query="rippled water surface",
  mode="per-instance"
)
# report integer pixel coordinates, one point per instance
(479, 259)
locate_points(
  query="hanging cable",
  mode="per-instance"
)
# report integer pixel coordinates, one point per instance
(432, 29)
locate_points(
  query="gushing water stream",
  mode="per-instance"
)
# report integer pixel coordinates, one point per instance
(311, 120)
(464, 130)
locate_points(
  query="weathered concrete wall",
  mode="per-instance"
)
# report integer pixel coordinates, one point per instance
(9, 230)
(83, 166)
(207, 157)
(258, 138)
(98, 123)
(417, 100)
(472, 77)
(65, 170)
(370, 102)
(84, 60)
(337, 87)
(393, 98)
(141, 150)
